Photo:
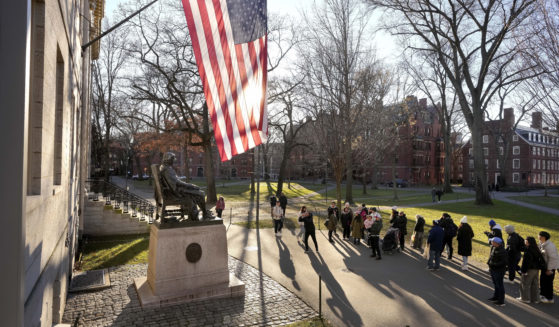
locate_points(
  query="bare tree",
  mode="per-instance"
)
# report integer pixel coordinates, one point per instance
(332, 58)
(106, 94)
(478, 45)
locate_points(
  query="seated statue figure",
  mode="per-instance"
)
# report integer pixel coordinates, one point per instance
(191, 194)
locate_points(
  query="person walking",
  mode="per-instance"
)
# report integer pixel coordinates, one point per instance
(277, 215)
(301, 223)
(464, 237)
(418, 231)
(515, 245)
(273, 201)
(496, 230)
(549, 252)
(374, 236)
(356, 228)
(450, 230)
(401, 222)
(333, 217)
(283, 202)
(345, 219)
(439, 194)
(497, 267)
(220, 206)
(435, 244)
(307, 219)
(532, 262)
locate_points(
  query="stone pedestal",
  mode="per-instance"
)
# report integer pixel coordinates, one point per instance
(187, 264)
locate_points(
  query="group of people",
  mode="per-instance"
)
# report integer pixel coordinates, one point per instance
(539, 262)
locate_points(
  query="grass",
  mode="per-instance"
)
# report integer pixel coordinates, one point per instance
(550, 202)
(104, 252)
(242, 192)
(313, 322)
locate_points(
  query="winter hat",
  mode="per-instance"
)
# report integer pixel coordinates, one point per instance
(464, 220)
(496, 239)
(509, 229)
(497, 226)
(492, 223)
(395, 208)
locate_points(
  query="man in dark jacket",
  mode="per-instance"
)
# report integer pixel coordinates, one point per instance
(450, 230)
(401, 222)
(515, 244)
(307, 219)
(435, 243)
(273, 201)
(333, 218)
(497, 267)
(374, 236)
(283, 202)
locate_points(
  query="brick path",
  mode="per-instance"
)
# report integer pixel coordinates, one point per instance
(266, 303)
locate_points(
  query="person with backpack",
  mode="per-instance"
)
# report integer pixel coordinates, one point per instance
(418, 231)
(497, 267)
(277, 216)
(283, 202)
(357, 228)
(435, 245)
(401, 222)
(515, 245)
(464, 237)
(374, 237)
(345, 219)
(333, 217)
(450, 231)
(532, 263)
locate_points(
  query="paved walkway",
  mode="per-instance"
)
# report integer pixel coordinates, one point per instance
(396, 291)
(266, 303)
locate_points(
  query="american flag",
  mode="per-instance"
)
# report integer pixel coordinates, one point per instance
(230, 46)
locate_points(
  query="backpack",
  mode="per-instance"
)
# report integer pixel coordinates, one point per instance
(521, 244)
(452, 229)
(542, 265)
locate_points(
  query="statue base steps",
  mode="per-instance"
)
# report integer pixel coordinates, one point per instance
(187, 264)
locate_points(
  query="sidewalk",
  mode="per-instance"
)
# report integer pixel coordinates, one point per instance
(396, 291)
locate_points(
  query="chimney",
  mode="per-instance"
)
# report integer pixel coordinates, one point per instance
(509, 117)
(537, 120)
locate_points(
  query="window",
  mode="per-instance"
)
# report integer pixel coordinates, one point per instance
(534, 163)
(485, 151)
(486, 162)
(471, 151)
(500, 139)
(497, 164)
(515, 177)
(516, 150)
(485, 138)
(460, 168)
(471, 163)
(35, 121)
(534, 150)
(58, 118)
(515, 138)
(501, 150)
(516, 163)
(539, 164)
(538, 151)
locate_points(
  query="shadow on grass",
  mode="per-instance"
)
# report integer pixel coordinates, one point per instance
(104, 253)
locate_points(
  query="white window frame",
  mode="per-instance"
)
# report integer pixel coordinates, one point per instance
(471, 163)
(501, 150)
(515, 138)
(515, 163)
(497, 164)
(486, 151)
(516, 178)
(485, 138)
(516, 150)
(471, 151)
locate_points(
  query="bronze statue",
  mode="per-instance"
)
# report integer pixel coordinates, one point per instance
(190, 195)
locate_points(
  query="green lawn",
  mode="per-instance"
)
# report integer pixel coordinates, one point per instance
(104, 252)
(242, 192)
(550, 202)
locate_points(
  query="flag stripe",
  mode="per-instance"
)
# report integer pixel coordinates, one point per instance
(233, 75)
(198, 43)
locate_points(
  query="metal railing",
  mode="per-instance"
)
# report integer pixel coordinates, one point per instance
(120, 198)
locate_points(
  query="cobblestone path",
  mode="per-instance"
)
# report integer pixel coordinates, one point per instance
(266, 303)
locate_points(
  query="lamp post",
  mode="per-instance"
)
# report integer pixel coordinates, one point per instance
(128, 159)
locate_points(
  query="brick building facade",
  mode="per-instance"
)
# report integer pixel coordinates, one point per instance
(522, 156)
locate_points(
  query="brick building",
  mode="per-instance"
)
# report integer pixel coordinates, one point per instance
(522, 156)
(418, 155)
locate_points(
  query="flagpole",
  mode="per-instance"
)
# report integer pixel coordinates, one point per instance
(85, 46)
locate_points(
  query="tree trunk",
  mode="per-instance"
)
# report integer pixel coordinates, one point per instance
(283, 168)
(364, 181)
(349, 172)
(211, 196)
(265, 149)
(374, 178)
(186, 162)
(447, 188)
(106, 152)
(480, 174)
